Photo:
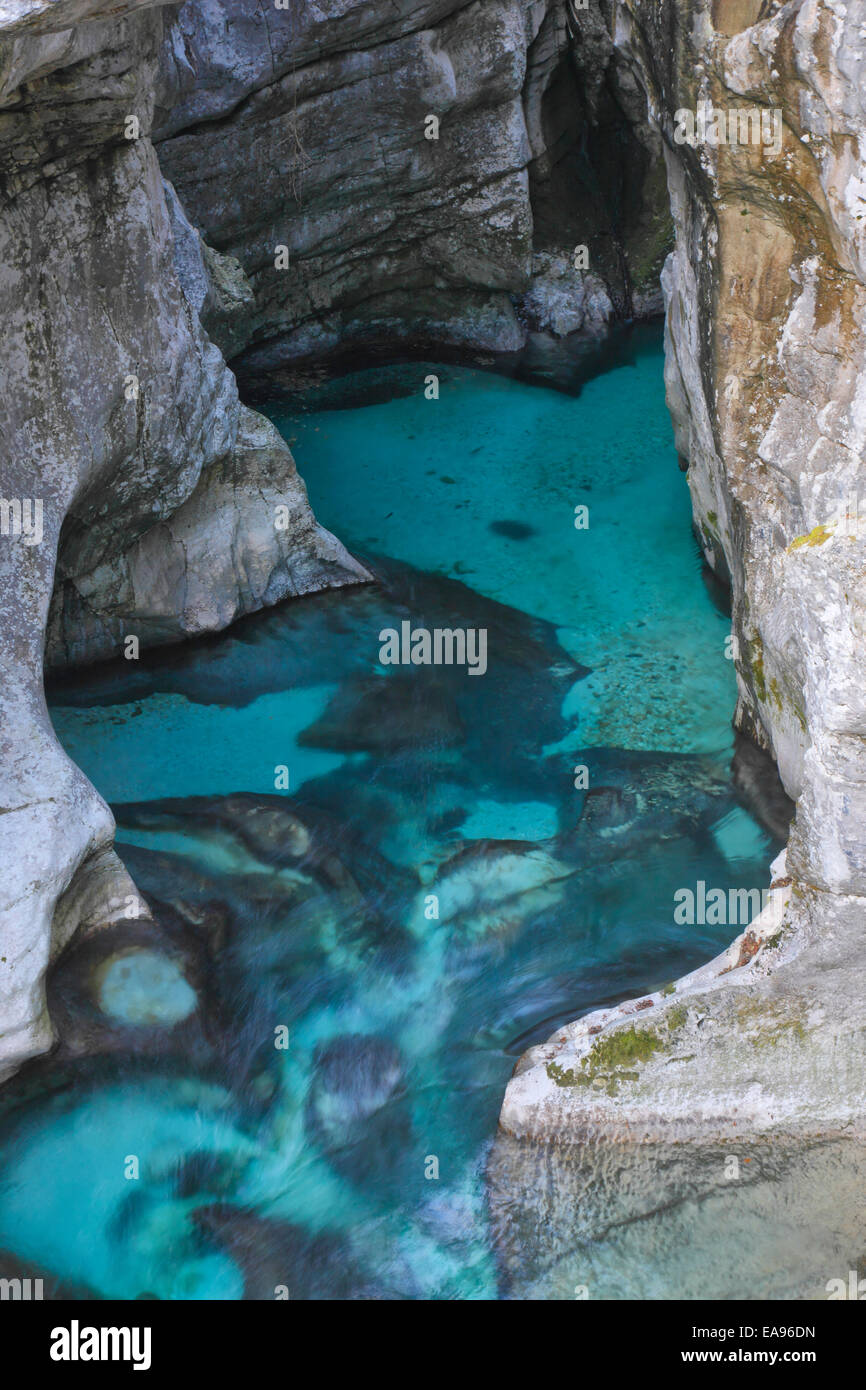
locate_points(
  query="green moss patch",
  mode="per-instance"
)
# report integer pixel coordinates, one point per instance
(817, 536)
(769, 1024)
(676, 1017)
(756, 662)
(609, 1061)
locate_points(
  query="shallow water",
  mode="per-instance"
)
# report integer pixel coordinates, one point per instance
(322, 1121)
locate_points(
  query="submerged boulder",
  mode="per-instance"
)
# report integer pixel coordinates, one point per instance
(635, 798)
(489, 888)
(357, 1112)
(279, 1260)
(382, 714)
(142, 987)
(133, 987)
(242, 834)
(355, 1076)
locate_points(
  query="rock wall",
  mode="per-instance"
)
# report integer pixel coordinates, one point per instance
(766, 380)
(307, 128)
(134, 486)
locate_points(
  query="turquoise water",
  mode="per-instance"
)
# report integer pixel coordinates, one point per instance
(437, 482)
(305, 1054)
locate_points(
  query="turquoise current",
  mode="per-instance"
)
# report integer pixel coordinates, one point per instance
(372, 946)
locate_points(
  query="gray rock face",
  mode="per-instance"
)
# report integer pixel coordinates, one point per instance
(215, 285)
(560, 303)
(309, 128)
(243, 539)
(766, 380)
(126, 457)
(317, 143)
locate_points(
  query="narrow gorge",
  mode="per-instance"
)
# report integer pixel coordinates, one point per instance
(284, 920)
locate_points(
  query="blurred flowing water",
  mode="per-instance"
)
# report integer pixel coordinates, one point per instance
(289, 1084)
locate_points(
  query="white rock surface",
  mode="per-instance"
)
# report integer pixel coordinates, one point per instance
(122, 433)
(766, 381)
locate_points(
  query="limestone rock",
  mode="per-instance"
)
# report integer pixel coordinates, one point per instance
(244, 538)
(215, 285)
(310, 129)
(764, 369)
(562, 302)
(766, 379)
(123, 441)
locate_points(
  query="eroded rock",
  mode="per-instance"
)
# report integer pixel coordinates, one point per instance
(121, 430)
(765, 351)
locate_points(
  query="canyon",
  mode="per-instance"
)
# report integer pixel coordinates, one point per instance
(135, 268)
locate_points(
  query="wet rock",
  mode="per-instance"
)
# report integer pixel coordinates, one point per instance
(278, 1259)
(489, 888)
(358, 1112)
(135, 987)
(265, 825)
(252, 831)
(637, 798)
(609, 809)
(141, 987)
(382, 827)
(384, 714)
(277, 912)
(354, 1078)
(269, 941)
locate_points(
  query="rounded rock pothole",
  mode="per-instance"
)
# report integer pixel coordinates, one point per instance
(144, 988)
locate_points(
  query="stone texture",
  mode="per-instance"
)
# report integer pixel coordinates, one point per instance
(215, 285)
(766, 380)
(561, 303)
(305, 128)
(122, 432)
(157, 489)
(218, 556)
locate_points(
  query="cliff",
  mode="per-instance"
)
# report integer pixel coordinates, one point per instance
(766, 382)
(138, 493)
